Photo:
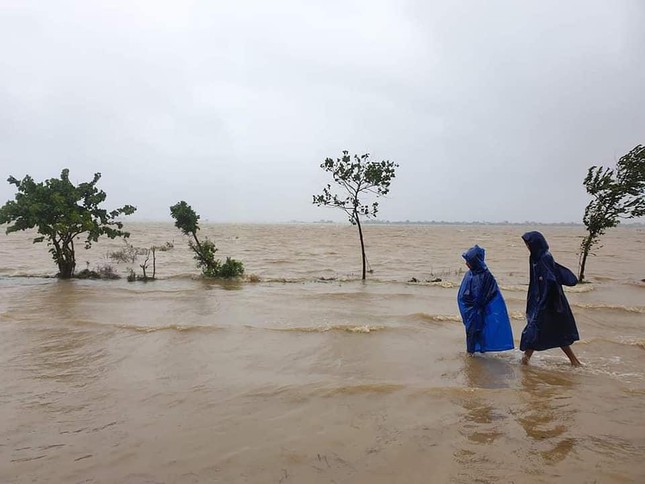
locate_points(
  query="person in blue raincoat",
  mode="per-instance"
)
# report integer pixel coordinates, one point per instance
(549, 320)
(482, 307)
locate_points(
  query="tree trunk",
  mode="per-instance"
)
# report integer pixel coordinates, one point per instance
(199, 246)
(200, 251)
(586, 246)
(583, 261)
(66, 266)
(360, 234)
(66, 259)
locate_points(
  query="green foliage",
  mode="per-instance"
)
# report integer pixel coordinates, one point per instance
(61, 212)
(616, 194)
(205, 256)
(356, 177)
(231, 268)
(186, 220)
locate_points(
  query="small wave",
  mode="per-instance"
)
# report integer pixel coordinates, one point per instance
(517, 315)
(640, 283)
(29, 275)
(448, 391)
(436, 318)
(441, 318)
(635, 391)
(382, 388)
(444, 284)
(110, 326)
(612, 307)
(150, 289)
(639, 343)
(186, 276)
(168, 327)
(365, 328)
(305, 390)
(283, 280)
(580, 288)
(610, 367)
(514, 288)
(621, 375)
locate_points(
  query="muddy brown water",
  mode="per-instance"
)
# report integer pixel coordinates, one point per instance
(310, 375)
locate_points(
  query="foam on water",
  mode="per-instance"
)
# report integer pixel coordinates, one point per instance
(347, 328)
(611, 307)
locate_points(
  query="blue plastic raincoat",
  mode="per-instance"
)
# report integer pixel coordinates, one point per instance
(550, 322)
(482, 307)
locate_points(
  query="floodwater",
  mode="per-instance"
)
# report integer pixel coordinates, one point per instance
(303, 373)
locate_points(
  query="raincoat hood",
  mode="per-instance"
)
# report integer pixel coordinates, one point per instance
(537, 244)
(475, 258)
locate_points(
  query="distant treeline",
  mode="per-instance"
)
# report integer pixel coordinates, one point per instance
(442, 222)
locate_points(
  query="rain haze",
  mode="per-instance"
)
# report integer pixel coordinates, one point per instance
(493, 110)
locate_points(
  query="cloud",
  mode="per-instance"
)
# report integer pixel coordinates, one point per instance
(493, 110)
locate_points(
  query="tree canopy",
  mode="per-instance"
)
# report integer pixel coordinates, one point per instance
(616, 194)
(186, 219)
(61, 212)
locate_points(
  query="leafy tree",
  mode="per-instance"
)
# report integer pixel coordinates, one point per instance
(617, 194)
(356, 178)
(61, 212)
(186, 220)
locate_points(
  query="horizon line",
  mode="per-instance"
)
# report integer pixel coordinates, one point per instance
(383, 222)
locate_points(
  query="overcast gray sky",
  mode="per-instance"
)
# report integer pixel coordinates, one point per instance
(494, 110)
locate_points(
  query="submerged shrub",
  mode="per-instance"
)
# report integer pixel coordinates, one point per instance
(186, 220)
(129, 253)
(104, 271)
(231, 268)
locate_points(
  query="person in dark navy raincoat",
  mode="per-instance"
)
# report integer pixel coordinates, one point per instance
(482, 307)
(550, 322)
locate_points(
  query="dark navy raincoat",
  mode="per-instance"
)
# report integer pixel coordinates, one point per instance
(482, 307)
(550, 322)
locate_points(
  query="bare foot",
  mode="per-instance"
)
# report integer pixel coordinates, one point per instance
(571, 355)
(527, 356)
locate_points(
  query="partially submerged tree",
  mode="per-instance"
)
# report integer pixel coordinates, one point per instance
(186, 220)
(61, 212)
(617, 194)
(356, 178)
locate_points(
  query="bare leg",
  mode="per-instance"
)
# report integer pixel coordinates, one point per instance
(572, 357)
(527, 357)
